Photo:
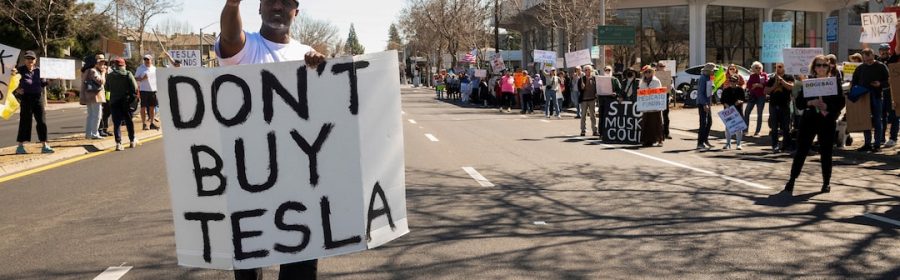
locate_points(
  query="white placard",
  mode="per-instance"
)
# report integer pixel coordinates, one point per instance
(8, 57)
(189, 58)
(671, 66)
(497, 64)
(544, 56)
(579, 58)
(604, 86)
(276, 163)
(820, 87)
(733, 120)
(57, 68)
(797, 60)
(481, 73)
(878, 27)
(652, 100)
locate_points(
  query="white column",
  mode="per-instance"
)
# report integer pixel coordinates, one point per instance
(697, 23)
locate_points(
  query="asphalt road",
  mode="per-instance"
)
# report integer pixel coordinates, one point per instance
(562, 207)
(60, 123)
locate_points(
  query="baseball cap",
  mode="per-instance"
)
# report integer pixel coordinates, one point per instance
(120, 61)
(30, 54)
(147, 56)
(884, 47)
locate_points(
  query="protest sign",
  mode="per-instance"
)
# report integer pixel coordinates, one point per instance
(665, 78)
(544, 56)
(8, 58)
(820, 87)
(849, 69)
(595, 52)
(622, 123)
(497, 64)
(579, 58)
(859, 114)
(276, 163)
(55, 68)
(10, 106)
(878, 27)
(894, 79)
(481, 73)
(671, 66)
(776, 36)
(733, 120)
(189, 58)
(652, 99)
(604, 86)
(797, 60)
(831, 29)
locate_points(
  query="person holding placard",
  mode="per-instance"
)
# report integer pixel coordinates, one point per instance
(733, 95)
(31, 90)
(872, 75)
(819, 120)
(607, 95)
(552, 90)
(779, 89)
(889, 116)
(651, 122)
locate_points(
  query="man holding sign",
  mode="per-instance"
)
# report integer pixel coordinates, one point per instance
(872, 76)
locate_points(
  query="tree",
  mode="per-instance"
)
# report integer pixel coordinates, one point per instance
(139, 12)
(436, 26)
(338, 49)
(353, 46)
(394, 41)
(173, 26)
(574, 17)
(321, 35)
(45, 22)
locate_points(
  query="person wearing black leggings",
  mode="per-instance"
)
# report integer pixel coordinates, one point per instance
(819, 119)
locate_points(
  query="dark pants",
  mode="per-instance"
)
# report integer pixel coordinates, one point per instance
(290, 271)
(814, 124)
(877, 104)
(705, 125)
(760, 104)
(603, 109)
(527, 105)
(104, 119)
(32, 107)
(666, 123)
(121, 114)
(890, 116)
(508, 99)
(780, 120)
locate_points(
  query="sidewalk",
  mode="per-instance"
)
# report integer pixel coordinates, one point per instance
(53, 106)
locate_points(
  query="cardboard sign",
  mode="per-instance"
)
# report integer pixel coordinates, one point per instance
(604, 85)
(797, 60)
(189, 58)
(777, 36)
(481, 73)
(894, 79)
(859, 114)
(652, 99)
(878, 27)
(671, 66)
(622, 123)
(276, 163)
(665, 78)
(579, 58)
(55, 68)
(8, 58)
(733, 120)
(820, 87)
(849, 69)
(544, 56)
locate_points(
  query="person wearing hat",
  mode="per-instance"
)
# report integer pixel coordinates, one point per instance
(31, 90)
(123, 90)
(146, 75)
(93, 95)
(704, 92)
(889, 116)
(176, 63)
(652, 121)
(551, 94)
(605, 98)
(873, 76)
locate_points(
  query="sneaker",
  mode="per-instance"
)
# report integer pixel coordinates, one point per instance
(890, 143)
(501, 110)
(865, 148)
(47, 150)
(596, 134)
(145, 127)
(134, 143)
(876, 149)
(508, 110)
(577, 117)
(20, 150)
(739, 147)
(558, 117)
(119, 147)
(153, 126)
(582, 133)
(701, 147)
(727, 147)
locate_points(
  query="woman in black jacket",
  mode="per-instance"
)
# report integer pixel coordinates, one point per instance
(819, 119)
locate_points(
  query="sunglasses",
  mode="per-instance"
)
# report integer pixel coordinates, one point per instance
(822, 65)
(607, 70)
(779, 67)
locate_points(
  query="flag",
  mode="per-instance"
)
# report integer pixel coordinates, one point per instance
(472, 56)
(719, 78)
(11, 105)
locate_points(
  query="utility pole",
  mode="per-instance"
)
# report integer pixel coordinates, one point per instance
(602, 23)
(496, 27)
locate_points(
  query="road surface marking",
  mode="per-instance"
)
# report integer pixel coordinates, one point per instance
(540, 223)
(477, 176)
(431, 137)
(882, 219)
(729, 178)
(65, 162)
(546, 121)
(412, 121)
(113, 273)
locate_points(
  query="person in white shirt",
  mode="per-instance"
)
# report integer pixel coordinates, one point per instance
(273, 43)
(146, 75)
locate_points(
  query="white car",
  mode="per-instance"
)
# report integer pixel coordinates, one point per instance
(686, 82)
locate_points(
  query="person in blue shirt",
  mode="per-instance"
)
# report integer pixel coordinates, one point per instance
(704, 91)
(31, 90)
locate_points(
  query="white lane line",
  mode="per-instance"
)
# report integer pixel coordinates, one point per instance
(477, 176)
(431, 137)
(729, 178)
(546, 121)
(113, 273)
(412, 121)
(882, 219)
(540, 223)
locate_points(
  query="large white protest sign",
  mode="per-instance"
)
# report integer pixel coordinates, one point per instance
(733, 120)
(278, 163)
(604, 86)
(820, 87)
(797, 60)
(56, 68)
(8, 57)
(776, 36)
(578, 58)
(548, 57)
(671, 66)
(189, 58)
(878, 27)
(652, 100)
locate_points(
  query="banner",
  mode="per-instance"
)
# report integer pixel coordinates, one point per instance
(276, 163)
(733, 120)
(622, 123)
(894, 79)
(481, 73)
(604, 85)
(849, 69)
(189, 58)
(777, 36)
(878, 27)
(797, 60)
(8, 59)
(820, 87)
(652, 99)
(544, 56)
(496, 64)
(859, 114)
(579, 58)
(55, 68)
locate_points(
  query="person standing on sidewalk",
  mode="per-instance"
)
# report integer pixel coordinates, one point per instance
(605, 98)
(733, 95)
(704, 91)
(525, 93)
(146, 74)
(273, 43)
(756, 86)
(550, 95)
(662, 67)
(587, 99)
(31, 90)
(537, 91)
(779, 89)
(123, 91)
(889, 115)
(507, 87)
(93, 95)
(873, 76)
(819, 119)
(575, 92)
(651, 122)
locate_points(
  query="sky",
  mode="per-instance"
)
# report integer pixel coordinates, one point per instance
(371, 18)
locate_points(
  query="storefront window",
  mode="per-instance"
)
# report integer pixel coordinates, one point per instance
(806, 26)
(661, 33)
(733, 35)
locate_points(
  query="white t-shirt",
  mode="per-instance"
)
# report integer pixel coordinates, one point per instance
(150, 83)
(259, 50)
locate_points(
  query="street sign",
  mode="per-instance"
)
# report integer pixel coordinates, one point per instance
(831, 29)
(776, 37)
(616, 35)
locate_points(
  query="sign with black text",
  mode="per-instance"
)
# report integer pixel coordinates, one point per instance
(189, 58)
(878, 27)
(820, 87)
(278, 163)
(622, 123)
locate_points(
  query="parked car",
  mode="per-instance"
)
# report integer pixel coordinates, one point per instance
(686, 83)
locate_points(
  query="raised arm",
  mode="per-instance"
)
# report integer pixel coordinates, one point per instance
(232, 38)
